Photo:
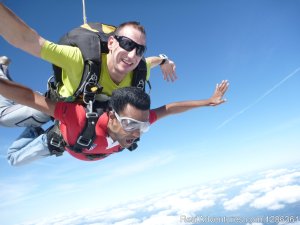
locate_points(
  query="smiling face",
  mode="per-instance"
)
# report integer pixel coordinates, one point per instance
(117, 132)
(119, 61)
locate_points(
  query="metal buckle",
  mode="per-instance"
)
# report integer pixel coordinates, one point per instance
(88, 94)
(84, 142)
(55, 143)
(91, 115)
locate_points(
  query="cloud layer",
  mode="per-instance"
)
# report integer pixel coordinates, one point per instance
(271, 193)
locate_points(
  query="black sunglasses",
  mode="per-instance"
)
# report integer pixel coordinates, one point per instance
(128, 44)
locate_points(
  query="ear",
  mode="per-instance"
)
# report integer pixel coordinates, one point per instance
(111, 115)
(110, 43)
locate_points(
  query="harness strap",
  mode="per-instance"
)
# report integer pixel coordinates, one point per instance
(87, 136)
(140, 75)
(96, 156)
(56, 143)
(89, 79)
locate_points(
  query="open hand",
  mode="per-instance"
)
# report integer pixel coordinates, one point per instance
(168, 70)
(217, 97)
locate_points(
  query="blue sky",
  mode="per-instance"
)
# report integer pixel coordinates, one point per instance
(254, 44)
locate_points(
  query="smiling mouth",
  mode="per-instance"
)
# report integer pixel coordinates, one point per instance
(128, 63)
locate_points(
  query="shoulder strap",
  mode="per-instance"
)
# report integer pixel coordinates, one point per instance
(89, 44)
(88, 133)
(91, 39)
(56, 143)
(140, 76)
(87, 136)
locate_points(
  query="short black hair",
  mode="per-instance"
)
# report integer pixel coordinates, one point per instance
(129, 95)
(134, 24)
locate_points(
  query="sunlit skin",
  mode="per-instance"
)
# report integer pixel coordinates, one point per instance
(119, 61)
(117, 133)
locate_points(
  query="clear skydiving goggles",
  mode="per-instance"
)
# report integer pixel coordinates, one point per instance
(129, 124)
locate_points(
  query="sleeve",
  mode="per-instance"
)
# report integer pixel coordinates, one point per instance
(67, 57)
(152, 117)
(148, 64)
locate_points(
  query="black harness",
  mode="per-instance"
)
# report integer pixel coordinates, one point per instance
(91, 44)
(57, 144)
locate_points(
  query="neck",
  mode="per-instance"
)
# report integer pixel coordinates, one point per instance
(115, 77)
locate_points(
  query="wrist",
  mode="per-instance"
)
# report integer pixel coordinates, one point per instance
(164, 58)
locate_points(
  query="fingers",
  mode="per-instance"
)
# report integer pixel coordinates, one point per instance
(172, 76)
(220, 90)
(168, 70)
(223, 86)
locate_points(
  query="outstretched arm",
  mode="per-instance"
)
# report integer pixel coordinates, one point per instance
(168, 68)
(179, 107)
(25, 96)
(18, 33)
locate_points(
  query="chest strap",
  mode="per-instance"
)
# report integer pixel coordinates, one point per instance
(88, 134)
(56, 143)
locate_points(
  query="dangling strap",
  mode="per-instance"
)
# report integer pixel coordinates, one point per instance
(56, 143)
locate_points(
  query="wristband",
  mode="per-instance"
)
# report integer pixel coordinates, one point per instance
(164, 58)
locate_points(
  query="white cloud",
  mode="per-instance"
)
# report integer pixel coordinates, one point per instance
(277, 198)
(168, 208)
(297, 223)
(272, 192)
(161, 220)
(275, 173)
(130, 221)
(212, 193)
(239, 201)
(183, 202)
(121, 213)
(263, 185)
(275, 178)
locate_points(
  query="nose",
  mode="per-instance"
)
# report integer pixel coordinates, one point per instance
(136, 133)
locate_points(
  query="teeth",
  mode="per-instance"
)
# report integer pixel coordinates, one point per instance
(127, 62)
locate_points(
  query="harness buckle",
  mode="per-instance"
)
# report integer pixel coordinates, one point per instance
(84, 141)
(91, 88)
(91, 115)
(55, 142)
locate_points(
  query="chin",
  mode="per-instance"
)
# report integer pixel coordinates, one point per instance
(127, 69)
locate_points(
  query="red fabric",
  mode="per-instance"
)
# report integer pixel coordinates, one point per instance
(72, 121)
